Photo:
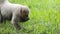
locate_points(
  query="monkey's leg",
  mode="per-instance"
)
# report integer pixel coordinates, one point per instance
(1, 18)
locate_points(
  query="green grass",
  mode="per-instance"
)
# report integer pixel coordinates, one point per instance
(44, 18)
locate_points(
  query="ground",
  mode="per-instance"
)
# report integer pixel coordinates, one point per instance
(44, 18)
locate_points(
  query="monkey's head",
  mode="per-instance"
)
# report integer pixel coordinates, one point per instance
(24, 14)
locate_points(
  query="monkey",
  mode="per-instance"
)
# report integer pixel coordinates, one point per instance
(14, 13)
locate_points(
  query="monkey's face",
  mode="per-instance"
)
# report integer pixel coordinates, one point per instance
(24, 15)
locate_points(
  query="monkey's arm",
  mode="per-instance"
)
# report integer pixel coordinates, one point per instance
(15, 21)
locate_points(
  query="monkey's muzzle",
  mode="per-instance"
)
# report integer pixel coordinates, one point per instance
(24, 19)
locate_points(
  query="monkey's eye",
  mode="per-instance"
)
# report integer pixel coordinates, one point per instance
(26, 15)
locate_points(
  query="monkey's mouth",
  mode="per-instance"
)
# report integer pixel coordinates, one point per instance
(24, 19)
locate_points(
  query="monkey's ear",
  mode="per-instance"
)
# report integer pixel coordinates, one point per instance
(21, 13)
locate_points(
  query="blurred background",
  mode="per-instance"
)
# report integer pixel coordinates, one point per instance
(44, 18)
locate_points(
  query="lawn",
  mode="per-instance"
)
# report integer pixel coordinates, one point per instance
(44, 18)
